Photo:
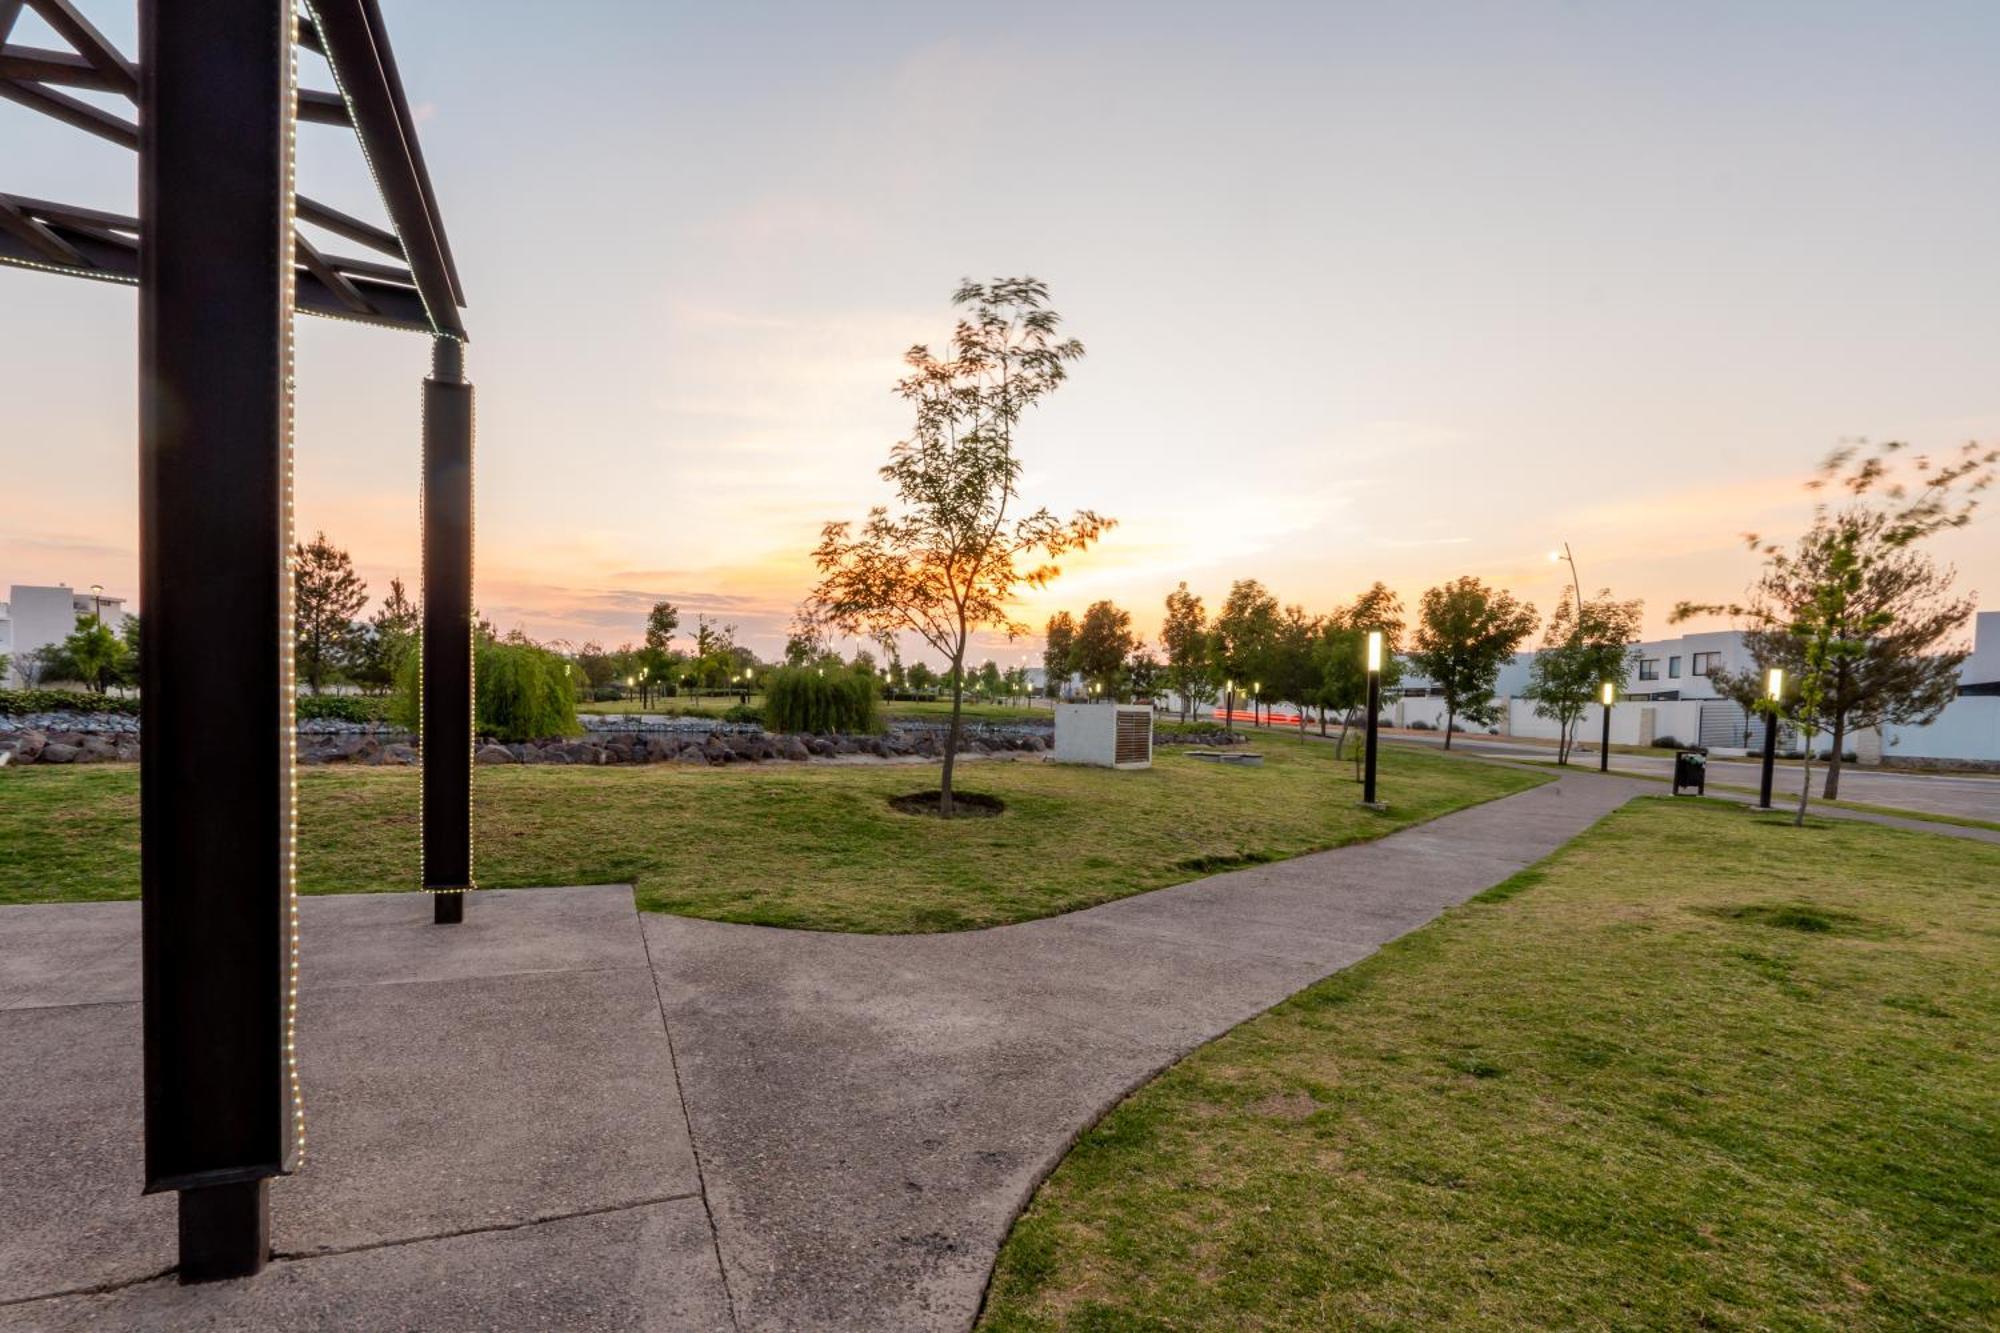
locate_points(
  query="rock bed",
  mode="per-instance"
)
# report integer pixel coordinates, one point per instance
(84, 738)
(748, 746)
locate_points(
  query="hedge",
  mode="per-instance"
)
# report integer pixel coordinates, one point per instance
(342, 708)
(64, 701)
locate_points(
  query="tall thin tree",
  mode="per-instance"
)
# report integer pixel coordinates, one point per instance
(950, 559)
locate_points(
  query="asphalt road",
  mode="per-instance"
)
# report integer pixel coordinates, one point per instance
(1968, 796)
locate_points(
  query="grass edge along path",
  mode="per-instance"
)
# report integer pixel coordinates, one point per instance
(794, 845)
(1696, 1069)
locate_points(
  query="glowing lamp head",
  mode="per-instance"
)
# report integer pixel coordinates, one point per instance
(1774, 684)
(1610, 694)
(1374, 650)
(1555, 557)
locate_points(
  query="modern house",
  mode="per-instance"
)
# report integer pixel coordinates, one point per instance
(33, 617)
(1680, 668)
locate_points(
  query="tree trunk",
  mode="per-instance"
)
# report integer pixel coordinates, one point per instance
(1832, 792)
(1322, 721)
(1448, 715)
(951, 736)
(1805, 785)
(1340, 746)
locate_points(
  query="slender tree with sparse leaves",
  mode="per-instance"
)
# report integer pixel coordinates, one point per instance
(1584, 647)
(1855, 606)
(949, 559)
(1184, 639)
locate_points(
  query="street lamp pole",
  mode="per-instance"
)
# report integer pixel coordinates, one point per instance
(1604, 747)
(1774, 690)
(1374, 708)
(97, 602)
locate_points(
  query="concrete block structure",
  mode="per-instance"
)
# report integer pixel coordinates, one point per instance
(1106, 735)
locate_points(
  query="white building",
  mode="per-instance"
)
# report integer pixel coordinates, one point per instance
(1679, 668)
(34, 617)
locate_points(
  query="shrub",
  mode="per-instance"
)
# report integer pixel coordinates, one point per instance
(606, 694)
(802, 699)
(1418, 724)
(746, 713)
(64, 701)
(341, 708)
(521, 693)
(1666, 743)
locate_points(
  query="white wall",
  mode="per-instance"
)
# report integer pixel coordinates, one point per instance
(1983, 667)
(1969, 728)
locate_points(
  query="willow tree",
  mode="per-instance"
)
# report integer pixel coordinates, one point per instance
(949, 557)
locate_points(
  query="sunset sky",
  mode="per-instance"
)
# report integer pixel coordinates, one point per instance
(1381, 291)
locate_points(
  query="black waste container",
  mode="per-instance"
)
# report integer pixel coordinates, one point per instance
(1691, 770)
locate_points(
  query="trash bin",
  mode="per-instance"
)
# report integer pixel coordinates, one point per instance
(1691, 770)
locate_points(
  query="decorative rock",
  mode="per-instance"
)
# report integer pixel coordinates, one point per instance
(56, 753)
(493, 754)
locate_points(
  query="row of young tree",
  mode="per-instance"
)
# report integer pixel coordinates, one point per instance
(1866, 627)
(1263, 652)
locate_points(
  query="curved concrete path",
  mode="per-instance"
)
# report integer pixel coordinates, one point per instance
(870, 1113)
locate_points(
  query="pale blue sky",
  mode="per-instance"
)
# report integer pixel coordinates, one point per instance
(1387, 291)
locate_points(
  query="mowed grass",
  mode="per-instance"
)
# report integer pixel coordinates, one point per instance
(810, 846)
(1698, 1070)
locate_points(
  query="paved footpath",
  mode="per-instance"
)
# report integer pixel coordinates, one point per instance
(825, 1132)
(871, 1112)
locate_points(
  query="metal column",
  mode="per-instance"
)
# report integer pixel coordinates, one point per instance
(1374, 716)
(216, 860)
(447, 644)
(1770, 759)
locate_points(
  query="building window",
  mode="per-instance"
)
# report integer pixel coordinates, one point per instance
(1706, 662)
(1673, 668)
(1649, 668)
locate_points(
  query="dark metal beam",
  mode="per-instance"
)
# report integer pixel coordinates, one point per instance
(357, 47)
(59, 67)
(37, 237)
(346, 224)
(9, 11)
(91, 44)
(104, 254)
(335, 281)
(71, 111)
(447, 640)
(323, 108)
(217, 897)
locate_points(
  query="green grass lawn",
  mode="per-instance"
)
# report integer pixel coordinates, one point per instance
(792, 845)
(679, 705)
(1698, 1070)
(916, 710)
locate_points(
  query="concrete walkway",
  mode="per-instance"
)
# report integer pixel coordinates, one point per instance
(499, 1119)
(871, 1112)
(494, 1136)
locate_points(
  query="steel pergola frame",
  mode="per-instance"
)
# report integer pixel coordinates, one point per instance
(221, 268)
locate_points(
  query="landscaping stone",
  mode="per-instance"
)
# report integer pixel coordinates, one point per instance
(54, 753)
(494, 754)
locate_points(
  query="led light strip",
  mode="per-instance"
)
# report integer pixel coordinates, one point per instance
(288, 707)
